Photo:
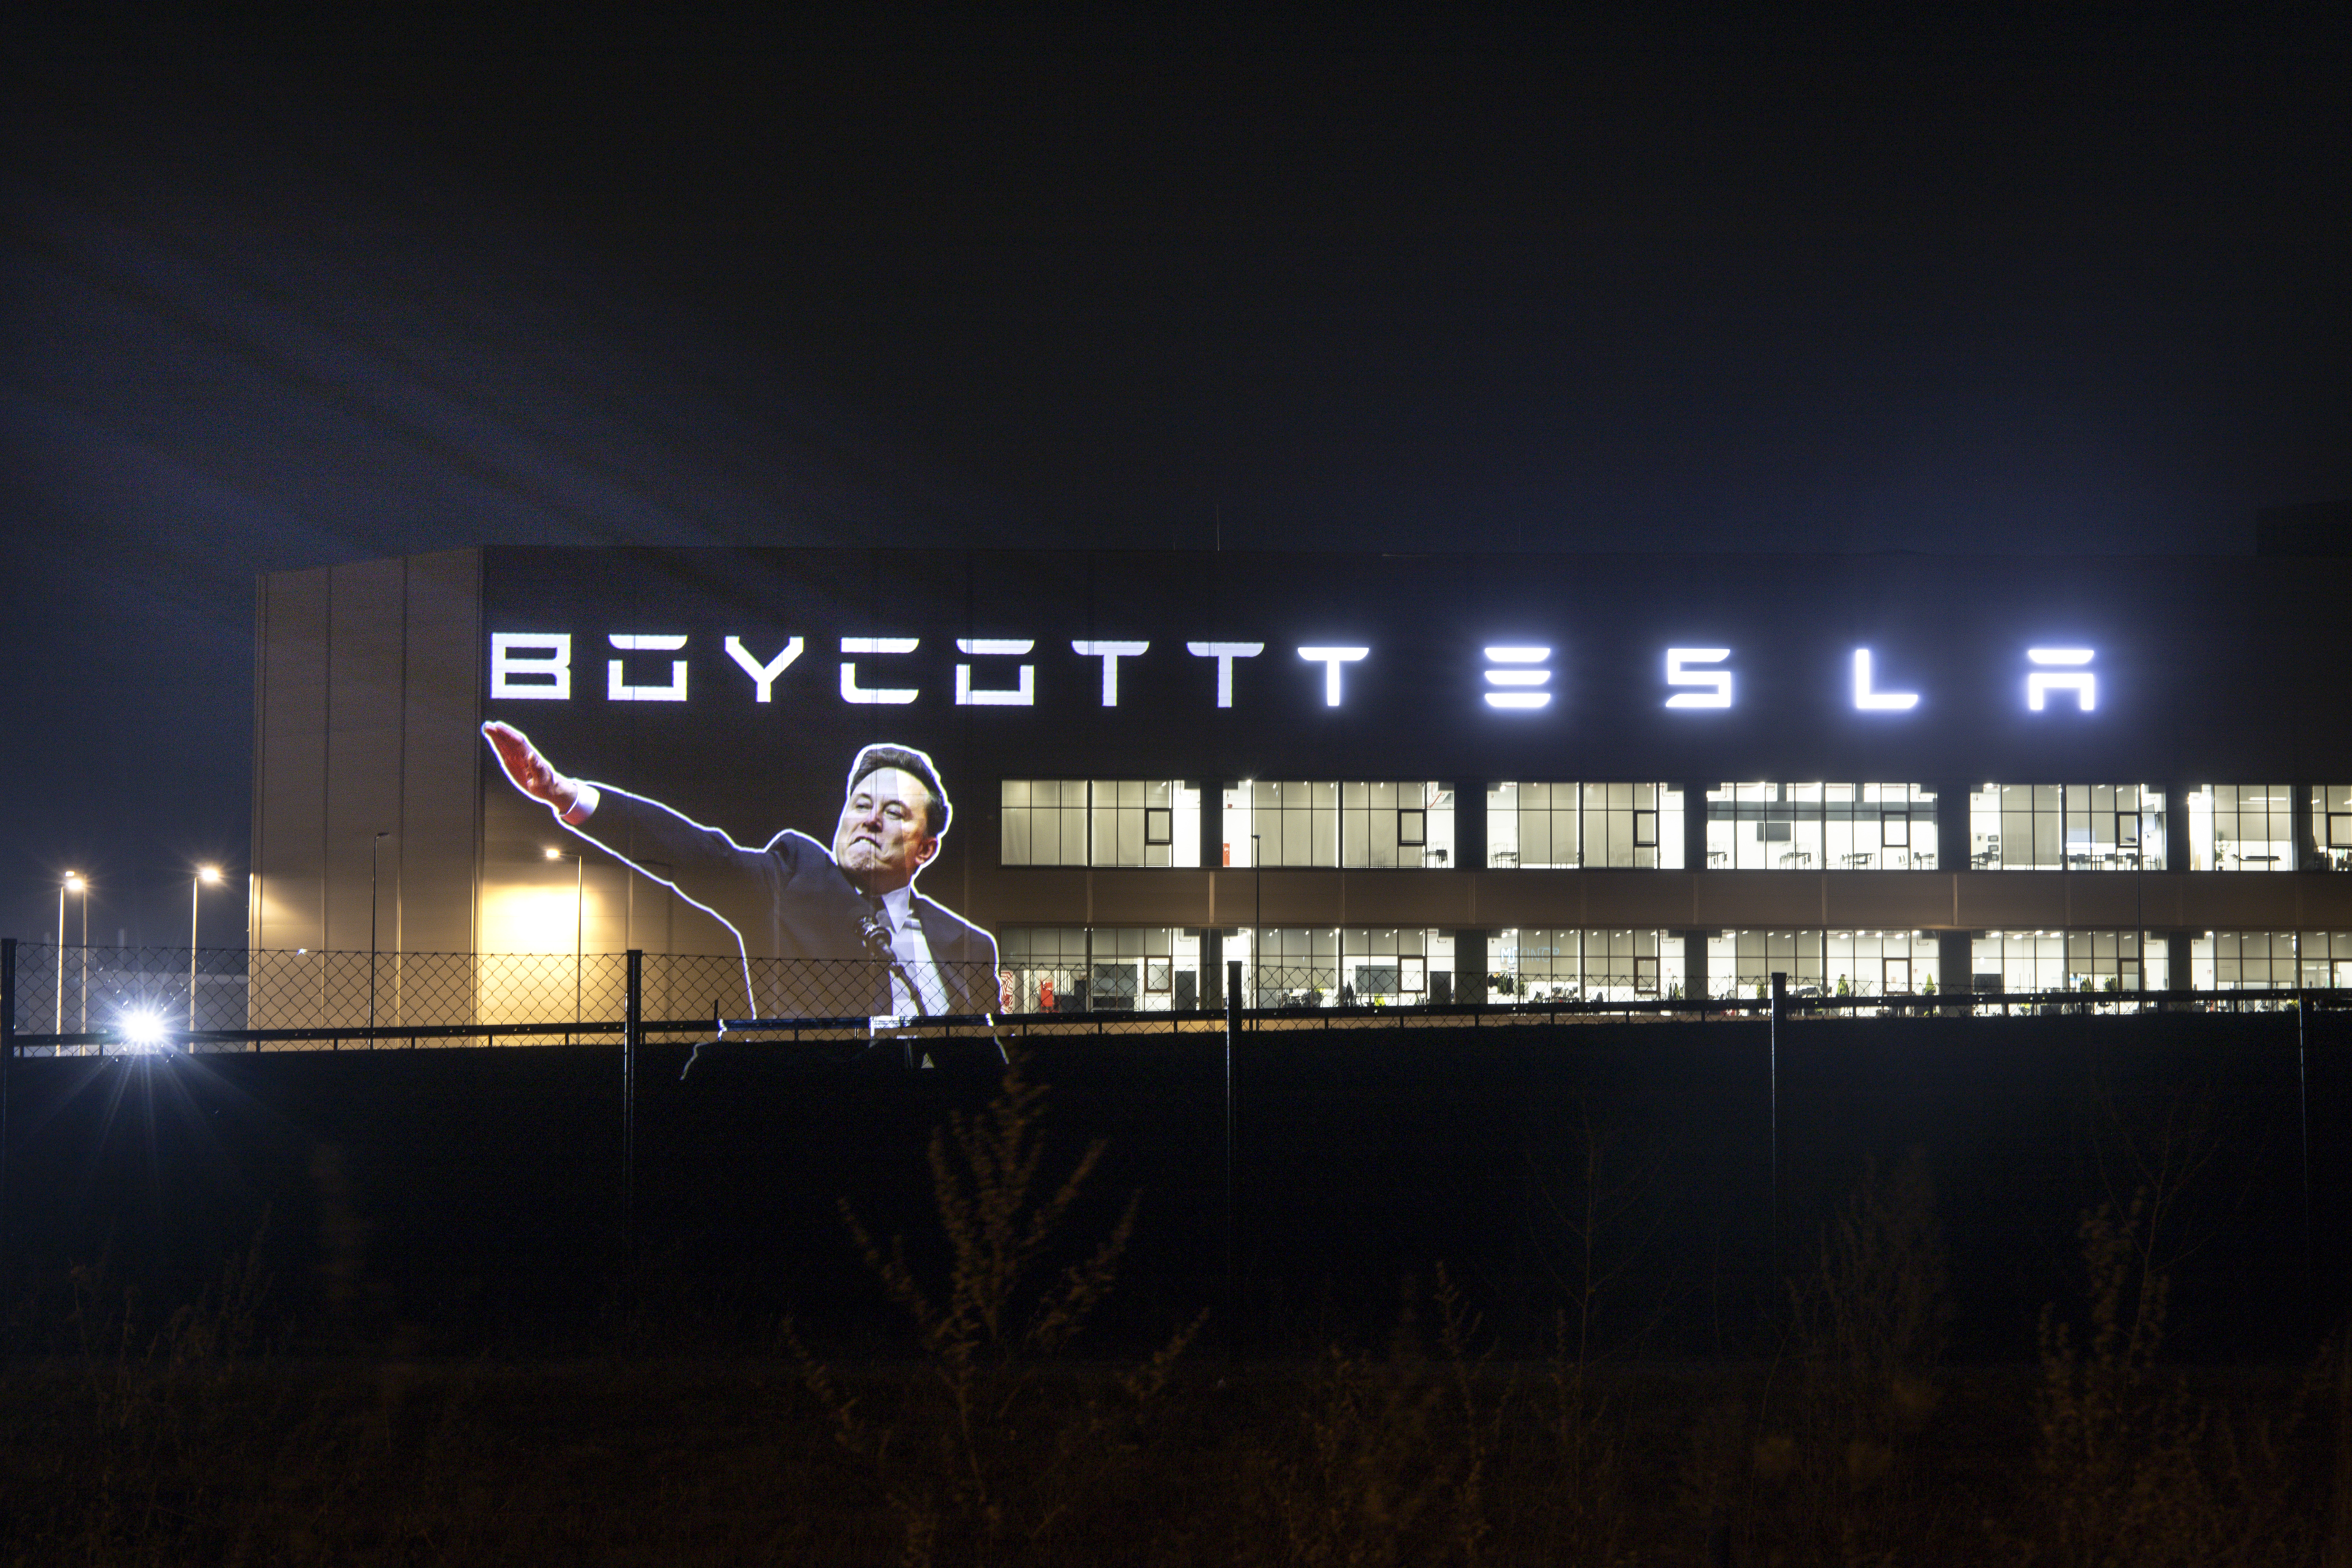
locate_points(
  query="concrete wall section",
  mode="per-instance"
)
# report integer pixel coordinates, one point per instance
(293, 670)
(440, 824)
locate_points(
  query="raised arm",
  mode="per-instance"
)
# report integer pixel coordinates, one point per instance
(572, 800)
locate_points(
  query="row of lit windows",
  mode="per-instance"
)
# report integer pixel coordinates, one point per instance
(1074, 969)
(1536, 827)
(1750, 826)
(1071, 969)
(1828, 827)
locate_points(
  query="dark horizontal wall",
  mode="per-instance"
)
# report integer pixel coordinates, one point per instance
(2210, 669)
(475, 1194)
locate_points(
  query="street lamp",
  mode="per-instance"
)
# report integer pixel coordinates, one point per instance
(203, 874)
(73, 884)
(579, 918)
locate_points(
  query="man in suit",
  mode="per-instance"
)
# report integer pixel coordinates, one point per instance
(856, 936)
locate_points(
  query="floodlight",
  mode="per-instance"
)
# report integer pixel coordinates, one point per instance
(74, 883)
(554, 853)
(142, 1029)
(208, 873)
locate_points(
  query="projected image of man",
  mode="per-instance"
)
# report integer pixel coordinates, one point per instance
(866, 940)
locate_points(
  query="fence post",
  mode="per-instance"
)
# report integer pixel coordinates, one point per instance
(1779, 1012)
(1233, 1294)
(2303, 1111)
(9, 1073)
(632, 1036)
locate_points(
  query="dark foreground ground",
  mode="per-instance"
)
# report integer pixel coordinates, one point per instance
(2066, 1292)
(1373, 1460)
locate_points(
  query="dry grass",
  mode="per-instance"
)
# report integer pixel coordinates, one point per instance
(195, 1435)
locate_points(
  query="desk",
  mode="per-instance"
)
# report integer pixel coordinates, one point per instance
(2258, 859)
(1983, 859)
(1717, 857)
(1922, 861)
(1859, 860)
(1796, 858)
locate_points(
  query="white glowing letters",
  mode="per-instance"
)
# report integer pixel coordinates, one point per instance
(1224, 653)
(616, 686)
(2081, 682)
(1871, 701)
(536, 666)
(1023, 695)
(1716, 683)
(1331, 659)
(532, 667)
(1110, 653)
(1517, 679)
(763, 676)
(853, 693)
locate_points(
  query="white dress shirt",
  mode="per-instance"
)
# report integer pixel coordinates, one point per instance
(914, 956)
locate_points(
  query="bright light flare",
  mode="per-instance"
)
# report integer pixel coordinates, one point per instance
(208, 873)
(142, 1029)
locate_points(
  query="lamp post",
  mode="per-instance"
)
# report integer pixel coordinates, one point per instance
(579, 918)
(73, 884)
(196, 884)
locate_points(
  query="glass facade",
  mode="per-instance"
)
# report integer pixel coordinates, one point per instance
(1352, 966)
(1060, 969)
(2269, 959)
(1101, 822)
(1532, 826)
(2068, 961)
(1823, 962)
(1534, 964)
(2067, 827)
(1820, 826)
(2240, 827)
(1358, 825)
(2331, 827)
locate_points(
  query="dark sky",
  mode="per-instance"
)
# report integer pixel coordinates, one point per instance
(342, 291)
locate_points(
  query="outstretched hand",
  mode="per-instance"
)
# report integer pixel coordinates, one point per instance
(530, 772)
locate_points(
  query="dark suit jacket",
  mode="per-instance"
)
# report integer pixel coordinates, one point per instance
(789, 901)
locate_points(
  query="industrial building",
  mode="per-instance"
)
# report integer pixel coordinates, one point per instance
(1398, 779)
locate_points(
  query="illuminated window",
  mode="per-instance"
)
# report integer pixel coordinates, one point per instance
(1296, 966)
(1820, 826)
(2240, 827)
(1824, 962)
(2269, 959)
(2331, 827)
(1367, 825)
(2067, 961)
(2067, 827)
(1532, 964)
(2243, 960)
(1533, 827)
(2324, 959)
(1067, 969)
(1101, 822)
(1356, 967)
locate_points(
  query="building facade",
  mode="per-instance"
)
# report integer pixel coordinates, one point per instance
(1392, 778)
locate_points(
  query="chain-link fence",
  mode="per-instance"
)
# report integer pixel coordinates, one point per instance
(76, 999)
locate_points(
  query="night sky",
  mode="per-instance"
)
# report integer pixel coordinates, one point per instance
(340, 291)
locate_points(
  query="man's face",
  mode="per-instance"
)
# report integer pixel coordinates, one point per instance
(883, 840)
